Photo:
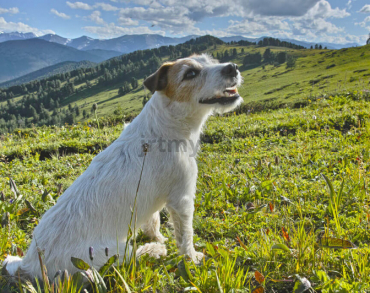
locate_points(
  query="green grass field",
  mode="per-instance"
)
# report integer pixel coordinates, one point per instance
(282, 201)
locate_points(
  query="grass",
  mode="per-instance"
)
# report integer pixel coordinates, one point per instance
(282, 199)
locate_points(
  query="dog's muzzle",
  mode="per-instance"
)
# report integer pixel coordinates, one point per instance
(230, 95)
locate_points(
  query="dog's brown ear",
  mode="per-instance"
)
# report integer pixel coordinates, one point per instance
(158, 80)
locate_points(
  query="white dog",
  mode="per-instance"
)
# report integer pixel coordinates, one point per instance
(96, 209)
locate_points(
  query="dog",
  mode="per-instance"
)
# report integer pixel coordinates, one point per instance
(97, 208)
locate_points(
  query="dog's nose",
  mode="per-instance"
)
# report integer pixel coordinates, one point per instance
(230, 70)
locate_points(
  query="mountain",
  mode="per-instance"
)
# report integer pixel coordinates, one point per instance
(130, 43)
(124, 44)
(105, 54)
(18, 58)
(16, 36)
(55, 39)
(45, 72)
(82, 42)
(297, 42)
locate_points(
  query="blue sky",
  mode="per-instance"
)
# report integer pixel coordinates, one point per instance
(338, 21)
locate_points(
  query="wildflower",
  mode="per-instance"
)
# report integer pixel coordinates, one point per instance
(91, 253)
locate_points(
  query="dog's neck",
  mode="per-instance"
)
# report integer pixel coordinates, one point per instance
(174, 119)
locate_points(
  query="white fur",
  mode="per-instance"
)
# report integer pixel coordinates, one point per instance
(96, 209)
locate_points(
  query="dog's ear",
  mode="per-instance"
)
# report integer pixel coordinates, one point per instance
(158, 80)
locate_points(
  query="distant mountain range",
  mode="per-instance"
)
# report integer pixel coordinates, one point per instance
(21, 57)
(23, 53)
(124, 44)
(16, 36)
(129, 43)
(301, 43)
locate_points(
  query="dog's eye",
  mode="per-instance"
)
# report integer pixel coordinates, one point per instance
(191, 74)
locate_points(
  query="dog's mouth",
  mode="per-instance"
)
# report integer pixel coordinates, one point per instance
(229, 96)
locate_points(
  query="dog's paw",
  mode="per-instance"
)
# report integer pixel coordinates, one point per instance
(154, 249)
(160, 238)
(197, 257)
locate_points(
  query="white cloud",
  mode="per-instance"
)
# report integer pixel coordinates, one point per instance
(13, 10)
(127, 21)
(21, 27)
(172, 19)
(106, 6)
(323, 9)
(60, 14)
(258, 25)
(95, 17)
(79, 5)
(278, 7)
(363, 23)
(365, 9)
(111, 30)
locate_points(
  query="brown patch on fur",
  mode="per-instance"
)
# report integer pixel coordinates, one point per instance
(158, 80)
(177, 89)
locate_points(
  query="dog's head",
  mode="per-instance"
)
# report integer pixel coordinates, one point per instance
(199, 80)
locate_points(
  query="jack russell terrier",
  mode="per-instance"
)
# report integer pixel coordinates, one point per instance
(96, 209)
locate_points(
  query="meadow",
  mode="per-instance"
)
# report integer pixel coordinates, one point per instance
(316, 72)
(282, 201)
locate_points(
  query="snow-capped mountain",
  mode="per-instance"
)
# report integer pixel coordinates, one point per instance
(16, 36)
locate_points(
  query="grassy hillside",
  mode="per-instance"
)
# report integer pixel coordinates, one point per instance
(315, 72)
(282, 193)
(48, 71)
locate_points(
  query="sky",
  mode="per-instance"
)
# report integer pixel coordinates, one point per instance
(336, 21)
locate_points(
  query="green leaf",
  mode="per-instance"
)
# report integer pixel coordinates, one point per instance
(99, 282)
(79, 263)
(13, 187)
(44, 195)
(123, 280)
(330, 186)
(280, 247)
(103, 270)
(183, 270)
(78, 280)
(219, 284)
(336, 243)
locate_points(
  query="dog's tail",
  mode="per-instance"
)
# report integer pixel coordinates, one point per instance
(154, 249)
(11, 264)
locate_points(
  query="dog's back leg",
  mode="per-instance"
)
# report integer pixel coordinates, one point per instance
(151, 228)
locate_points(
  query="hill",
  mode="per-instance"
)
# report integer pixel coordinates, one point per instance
(18, 58)
(116, 85)
(46, 72)
(105, 54)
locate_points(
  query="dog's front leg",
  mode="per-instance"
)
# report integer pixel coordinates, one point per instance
(151, 228)
(182, 218)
